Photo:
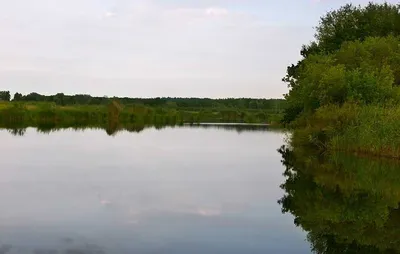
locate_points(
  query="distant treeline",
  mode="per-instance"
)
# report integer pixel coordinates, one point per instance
(170, 102)
(35, 109)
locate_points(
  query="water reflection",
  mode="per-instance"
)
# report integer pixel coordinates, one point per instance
(180, 190)
(112, 128)
(17, 132)
(347, 204)
(237, 127)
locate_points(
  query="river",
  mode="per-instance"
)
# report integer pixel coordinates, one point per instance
(210, 189)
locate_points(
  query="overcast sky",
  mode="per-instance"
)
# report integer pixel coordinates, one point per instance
(148, 48)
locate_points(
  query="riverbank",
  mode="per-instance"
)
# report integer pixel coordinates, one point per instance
(345, 91)
(372, 130)
(35, 113)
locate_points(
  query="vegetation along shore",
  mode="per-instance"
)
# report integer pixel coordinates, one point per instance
(71, 110)
(345, 91)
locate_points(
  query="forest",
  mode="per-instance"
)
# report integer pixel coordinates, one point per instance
(345, 91)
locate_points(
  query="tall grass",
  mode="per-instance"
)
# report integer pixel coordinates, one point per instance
(376, 131)
(371, 129)
(36, 113)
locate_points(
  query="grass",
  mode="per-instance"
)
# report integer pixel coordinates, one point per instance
(371, 130)
(376, 131)
(43, 112)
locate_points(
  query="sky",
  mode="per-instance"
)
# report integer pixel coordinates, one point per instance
(155, 48)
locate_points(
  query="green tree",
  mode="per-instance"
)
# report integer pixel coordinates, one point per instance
(5, 95)
(59, 99)
(366, 72)
(349, 23)
(17, 97)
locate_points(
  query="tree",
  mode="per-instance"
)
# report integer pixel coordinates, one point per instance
(366, 72)
(349, 23)
(17, 97)
(59, 99)
(33, 97)
(5, 95)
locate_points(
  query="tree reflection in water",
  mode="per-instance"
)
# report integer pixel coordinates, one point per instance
(113, 127)
(347, 204)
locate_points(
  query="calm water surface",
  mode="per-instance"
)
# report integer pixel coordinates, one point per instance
(176, 190)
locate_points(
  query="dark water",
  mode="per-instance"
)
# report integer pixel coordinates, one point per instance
(346, 203)
(180, 190)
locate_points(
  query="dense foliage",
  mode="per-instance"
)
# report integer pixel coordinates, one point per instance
(365, 72)
(344, 93)
(5, 96)
(355, 57)
(363, 129)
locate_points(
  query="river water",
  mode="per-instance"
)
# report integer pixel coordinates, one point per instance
(173, 190)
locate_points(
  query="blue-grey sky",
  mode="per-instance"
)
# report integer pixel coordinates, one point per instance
(147, 48)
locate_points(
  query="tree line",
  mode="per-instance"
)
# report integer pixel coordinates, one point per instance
(355, 58)
(345, 91)
(170, 102)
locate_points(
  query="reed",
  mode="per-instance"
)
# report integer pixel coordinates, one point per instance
(367, 129)
(35, 113)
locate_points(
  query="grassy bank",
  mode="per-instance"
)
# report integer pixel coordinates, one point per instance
(365, 129)
(35, 113)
